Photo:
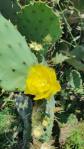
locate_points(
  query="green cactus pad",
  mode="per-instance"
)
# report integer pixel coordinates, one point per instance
(43, 119)
(50, 106)
(39, 23)
(15, 57)
(8, 9)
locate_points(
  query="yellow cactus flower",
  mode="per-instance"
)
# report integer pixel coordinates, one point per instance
(42, 82)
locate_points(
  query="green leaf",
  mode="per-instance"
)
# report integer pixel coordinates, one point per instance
(77, 58)
(59, 58)
(75, 80)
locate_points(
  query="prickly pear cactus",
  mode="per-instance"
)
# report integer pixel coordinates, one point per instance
(15, 57)
(24, 107)
(43, 120)
(38, 114)
(50, 107)
(8, 9)
(39, 23)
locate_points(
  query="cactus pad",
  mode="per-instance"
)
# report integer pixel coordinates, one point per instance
(8, 8)
(15, 57)
(43, 120)
(39, 23)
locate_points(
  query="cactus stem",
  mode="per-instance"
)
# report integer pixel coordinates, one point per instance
(24, 107)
